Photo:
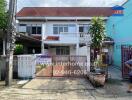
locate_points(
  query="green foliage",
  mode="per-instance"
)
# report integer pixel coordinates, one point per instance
(18, 49)
(97, 32)
(97, 63)
(2, 6)
(3, 15)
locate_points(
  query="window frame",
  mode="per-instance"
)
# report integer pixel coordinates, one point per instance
(63, 50)
(58, 28)
(37, 30)
(22, 24)
(84, 26)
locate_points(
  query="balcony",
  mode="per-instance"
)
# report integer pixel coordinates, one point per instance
(67, 38)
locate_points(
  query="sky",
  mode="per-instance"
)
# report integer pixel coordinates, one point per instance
(67, 3)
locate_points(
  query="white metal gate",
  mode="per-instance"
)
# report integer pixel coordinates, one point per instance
(26, 66)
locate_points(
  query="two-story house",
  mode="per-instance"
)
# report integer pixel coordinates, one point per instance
(62, 30)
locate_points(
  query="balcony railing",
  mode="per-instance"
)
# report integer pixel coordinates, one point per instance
(72, 37)
(84, 37)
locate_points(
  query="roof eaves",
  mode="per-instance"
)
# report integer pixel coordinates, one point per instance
(125, 2)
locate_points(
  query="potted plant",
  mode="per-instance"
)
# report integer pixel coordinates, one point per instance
(97, 32)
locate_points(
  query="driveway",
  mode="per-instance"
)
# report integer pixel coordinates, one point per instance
(68, 89)
(59, 84)
(51, 89)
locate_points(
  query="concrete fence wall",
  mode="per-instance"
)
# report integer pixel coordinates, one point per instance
(3, 67)
(25, 65)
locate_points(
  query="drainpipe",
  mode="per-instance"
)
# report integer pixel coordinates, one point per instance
(88, 57)
(77, 49)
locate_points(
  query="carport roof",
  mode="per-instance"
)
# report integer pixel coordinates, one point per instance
(21, 38)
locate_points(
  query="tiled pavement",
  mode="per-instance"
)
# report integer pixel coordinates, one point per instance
(69, 89)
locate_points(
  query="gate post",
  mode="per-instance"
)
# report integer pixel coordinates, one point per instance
(88, 58)
(122, 59)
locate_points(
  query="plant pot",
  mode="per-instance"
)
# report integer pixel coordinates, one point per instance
(99, 70)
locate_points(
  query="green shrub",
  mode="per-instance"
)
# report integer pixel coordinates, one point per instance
(18, 49)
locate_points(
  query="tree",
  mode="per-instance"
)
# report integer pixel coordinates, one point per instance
(3, 15)
(18, 49)
(3, 22)
(97, 32)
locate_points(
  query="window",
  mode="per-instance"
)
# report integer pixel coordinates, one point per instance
(55, 30)
(22, 28)
(63, 50)
(81, 29)
(65, 29)
(30, 28)
(84, 28)
(58, 28)
(36, 30)
(39, 29)
(61, 29)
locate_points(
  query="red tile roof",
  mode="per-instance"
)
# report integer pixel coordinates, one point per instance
(64, 11)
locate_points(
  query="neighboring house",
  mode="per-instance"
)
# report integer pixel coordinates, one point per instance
(63, 30)
(120, 29)
(22, 39)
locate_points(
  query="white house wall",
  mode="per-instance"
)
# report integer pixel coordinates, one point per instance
(52, 51)
(72, 50)
(85, 51)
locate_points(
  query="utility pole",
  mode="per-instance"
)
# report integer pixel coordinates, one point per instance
(10, 42)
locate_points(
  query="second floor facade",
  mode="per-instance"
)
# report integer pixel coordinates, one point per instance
(65, 31)
(59, 25)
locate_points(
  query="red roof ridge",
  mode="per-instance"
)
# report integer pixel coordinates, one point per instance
(64, 11)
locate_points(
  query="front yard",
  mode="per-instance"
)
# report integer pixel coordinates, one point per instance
(67, 89)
